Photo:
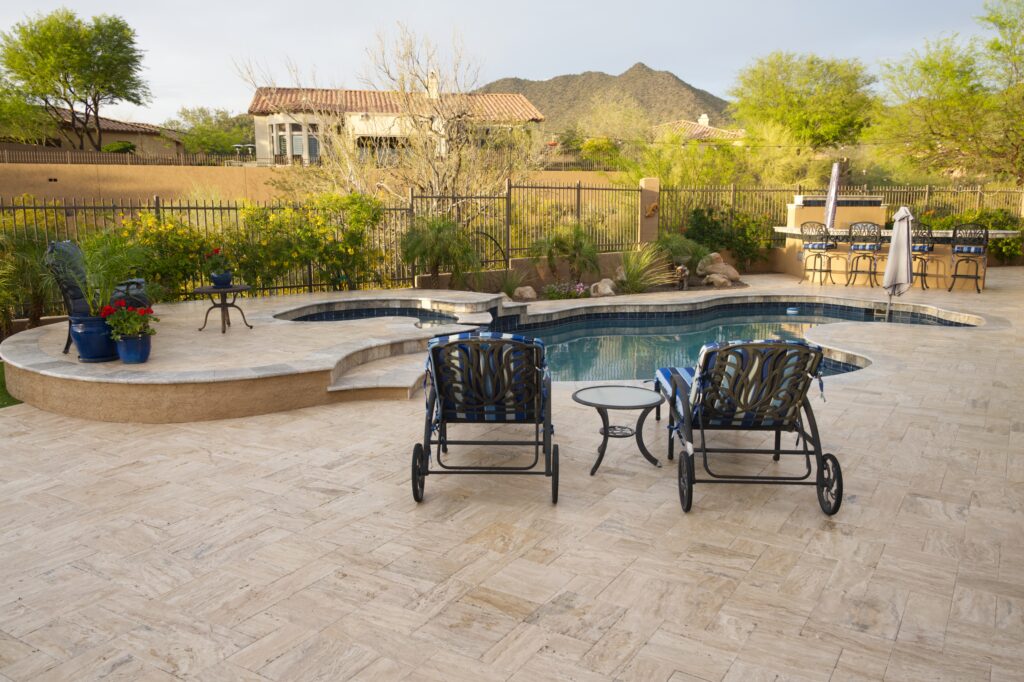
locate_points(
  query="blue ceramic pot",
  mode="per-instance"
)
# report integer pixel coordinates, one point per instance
(221, 279)
(134, 350)
(92, 339)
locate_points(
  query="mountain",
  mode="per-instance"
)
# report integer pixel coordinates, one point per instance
(566, 99)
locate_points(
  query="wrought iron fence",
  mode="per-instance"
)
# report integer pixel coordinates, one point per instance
(501, 226)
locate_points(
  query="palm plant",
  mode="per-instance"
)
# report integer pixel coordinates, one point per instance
(109, 260)
(31, 284)
(643, 269)
(8, 294)
(680, 250)
(569, 243)
(438, 243)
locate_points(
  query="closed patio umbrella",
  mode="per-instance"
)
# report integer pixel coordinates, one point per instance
(832, 198)
(899, 268)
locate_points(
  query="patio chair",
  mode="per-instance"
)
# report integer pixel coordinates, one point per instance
(970, 245)
(750, 386)
(922, 251)
(818, 247)
(492, 378)
(865, 248)
(66, 262)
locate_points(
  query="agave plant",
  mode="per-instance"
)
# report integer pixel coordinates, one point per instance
(643, 269)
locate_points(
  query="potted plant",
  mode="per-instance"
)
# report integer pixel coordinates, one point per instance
(219, 268)
(95, 269)
(131, 328)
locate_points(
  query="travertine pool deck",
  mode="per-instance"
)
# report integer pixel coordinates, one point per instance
(287, 546)
(283, 364)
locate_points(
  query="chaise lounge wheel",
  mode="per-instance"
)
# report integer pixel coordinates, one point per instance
(554, 475)
(830, 484)
(419, 472)
(685, 480)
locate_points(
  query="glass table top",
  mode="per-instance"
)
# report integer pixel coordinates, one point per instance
(617, 397)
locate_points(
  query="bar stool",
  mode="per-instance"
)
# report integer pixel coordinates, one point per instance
(819, 245)
(922, 250)
(970, 245)
(865, 248)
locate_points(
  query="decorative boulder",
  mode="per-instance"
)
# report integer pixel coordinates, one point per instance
(524, 294)
(714, 264)
(605, 287)
(717, 281)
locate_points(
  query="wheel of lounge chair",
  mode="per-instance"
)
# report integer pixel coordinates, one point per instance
(685, 480)
(554, 475)
(418, 472)
(830, 484)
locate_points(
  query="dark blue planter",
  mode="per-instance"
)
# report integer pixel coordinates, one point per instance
(221, 279)
(134, 350)
(92, 339)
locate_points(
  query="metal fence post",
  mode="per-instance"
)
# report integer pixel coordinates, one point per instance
(156, 206)
(579, 202)
(410, 223)
(508, 223)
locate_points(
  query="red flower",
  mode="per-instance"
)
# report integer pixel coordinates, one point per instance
(149, 311)
(107, 311)
(120, 303)
(215, 252)
(141, 311)
(131, 309)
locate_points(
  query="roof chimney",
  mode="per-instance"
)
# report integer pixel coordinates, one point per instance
(704, 120)
(432, 85)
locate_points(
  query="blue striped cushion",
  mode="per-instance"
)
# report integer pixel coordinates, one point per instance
(819, 246)
(922, 248)
(663, 382)
(478, 393)
(969, 250)
(865, 247)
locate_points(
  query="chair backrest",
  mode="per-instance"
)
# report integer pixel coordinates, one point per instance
(815, 232)
(753, 384)
(67, 264)
(970, 234)
(922, 234)
(487, 376)
(865, 233)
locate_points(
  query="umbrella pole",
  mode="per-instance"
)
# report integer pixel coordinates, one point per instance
(888, 310)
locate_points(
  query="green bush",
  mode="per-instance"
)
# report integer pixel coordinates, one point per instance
(120, 147)
(681, 251)
(174, 254)
(745, 239)
(1004, 250)
(571, 244)
(437, 244)
(562, 290)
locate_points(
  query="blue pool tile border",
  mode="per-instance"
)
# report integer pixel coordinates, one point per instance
(422, 314)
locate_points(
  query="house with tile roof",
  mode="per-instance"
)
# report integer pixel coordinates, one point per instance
(698, 130)
(292, 123)
(149, 140)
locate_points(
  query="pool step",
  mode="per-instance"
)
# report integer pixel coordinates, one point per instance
(395, 376)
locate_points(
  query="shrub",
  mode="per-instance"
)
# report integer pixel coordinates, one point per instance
(175, 253)
(509, 281)
(681, 251)
(438, 243)
(31, 288)
(110, 258)
(569, 243)
(643, 269)
(745, 239)
(120, 147)
(561, 290)
(1005, 250)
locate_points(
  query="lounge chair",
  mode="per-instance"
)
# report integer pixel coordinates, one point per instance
(750, 386)
(485, 377)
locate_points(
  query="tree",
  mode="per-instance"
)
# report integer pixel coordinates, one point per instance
(73, 68)
(20, 120)
(212, 131)
(822, 102)
(958, 107)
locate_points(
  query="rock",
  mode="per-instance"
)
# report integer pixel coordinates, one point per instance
(714, 264)
(682, 277)
(620, 274)
(524, 294)
(717, 281)
(605, 287)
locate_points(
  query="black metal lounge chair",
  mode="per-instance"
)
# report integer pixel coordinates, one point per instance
(750, 386)
(66, 262)
(476, 377)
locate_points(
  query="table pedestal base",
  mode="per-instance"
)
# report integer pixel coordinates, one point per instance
(610, 431)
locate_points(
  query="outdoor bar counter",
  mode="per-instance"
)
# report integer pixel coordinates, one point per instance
(791, 260)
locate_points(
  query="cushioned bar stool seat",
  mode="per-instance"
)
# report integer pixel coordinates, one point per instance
(865, 248)
(818, 251)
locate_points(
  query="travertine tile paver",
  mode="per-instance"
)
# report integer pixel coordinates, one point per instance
(288, 547)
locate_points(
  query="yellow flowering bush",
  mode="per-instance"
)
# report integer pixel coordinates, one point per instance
(175, 252)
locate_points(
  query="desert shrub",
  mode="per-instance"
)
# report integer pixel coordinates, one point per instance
(562, 290)
(643, 270)
(174, 253)
(745, 239)
(437, 244)
(509, 281)
(571, 244)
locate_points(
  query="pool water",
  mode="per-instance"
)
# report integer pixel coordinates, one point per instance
(593, 350)
(427, 318)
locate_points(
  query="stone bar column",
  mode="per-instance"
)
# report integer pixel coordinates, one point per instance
(647, 221)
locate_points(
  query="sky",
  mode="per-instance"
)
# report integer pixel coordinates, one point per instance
(193, 47)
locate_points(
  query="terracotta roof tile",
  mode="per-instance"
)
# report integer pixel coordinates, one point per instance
(110, 125)
(490, 107)
(695, 131)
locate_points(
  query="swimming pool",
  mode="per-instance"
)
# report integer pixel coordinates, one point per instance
(618, 346)
(427, 318)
